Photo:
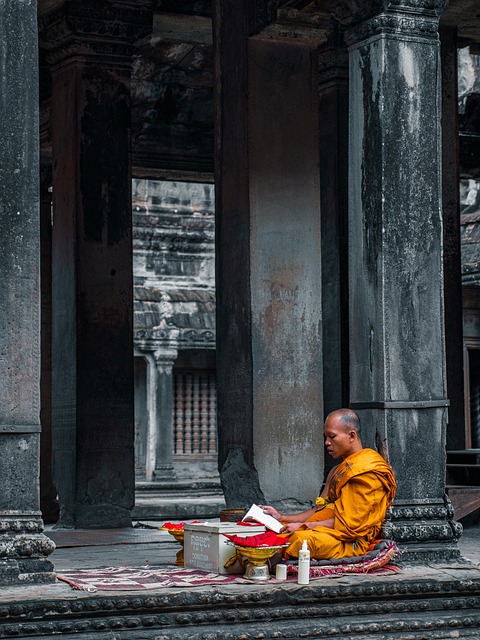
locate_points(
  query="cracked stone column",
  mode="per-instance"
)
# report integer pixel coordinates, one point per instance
(160, 411)
(23, 546)
(397, 336)
(90, 52)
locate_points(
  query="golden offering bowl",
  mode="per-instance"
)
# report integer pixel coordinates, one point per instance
(256, 557)
(179, 535)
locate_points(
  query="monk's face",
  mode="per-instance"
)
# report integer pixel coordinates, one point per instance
(340, 442)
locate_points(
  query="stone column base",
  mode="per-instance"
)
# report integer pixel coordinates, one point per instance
(425, 531)
(24, 550)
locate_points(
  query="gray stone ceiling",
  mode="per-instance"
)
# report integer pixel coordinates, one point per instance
(465, 14)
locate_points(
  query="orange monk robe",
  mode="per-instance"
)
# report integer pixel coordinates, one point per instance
(362, 488)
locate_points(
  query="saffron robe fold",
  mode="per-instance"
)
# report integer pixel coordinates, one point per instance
(361, 490)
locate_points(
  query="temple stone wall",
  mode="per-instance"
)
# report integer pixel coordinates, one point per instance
(174, 326)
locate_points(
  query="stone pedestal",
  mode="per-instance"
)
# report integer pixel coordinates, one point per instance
(23, 546)
(92, 289)
(397, 355)
(269, 332)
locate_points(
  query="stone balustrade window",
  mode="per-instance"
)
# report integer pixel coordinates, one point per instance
(195, 413)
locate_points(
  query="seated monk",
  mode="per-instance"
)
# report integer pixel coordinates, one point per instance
(351, 509)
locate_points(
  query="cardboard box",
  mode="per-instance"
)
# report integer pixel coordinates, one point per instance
(206, 548)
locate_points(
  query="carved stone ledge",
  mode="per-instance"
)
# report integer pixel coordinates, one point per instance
(419, 532)
(333, 57)
(147, 340)
(397, 609)
(88, 28)
(103, 52)
(298, 22)
(174, 239)
(30, 525)
(416, 512)
(394, 24)
(294, 33)
(350, 12)
(25, 546)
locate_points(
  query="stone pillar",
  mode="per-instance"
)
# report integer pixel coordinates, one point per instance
(397, 333)
(92, 336)
(452, 259)
(269, 342)
(160, 412)
(333, 124)
(48, 491)
(23, 547)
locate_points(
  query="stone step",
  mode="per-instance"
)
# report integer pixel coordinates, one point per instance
(412, 605)
(176, 487)
(463, 456)
(463, 474)
(150, 505)
(465, 500)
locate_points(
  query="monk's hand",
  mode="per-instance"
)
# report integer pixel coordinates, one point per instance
(271, 511)
(291, 527)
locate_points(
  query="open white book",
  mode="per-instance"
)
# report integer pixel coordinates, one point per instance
(258, 514)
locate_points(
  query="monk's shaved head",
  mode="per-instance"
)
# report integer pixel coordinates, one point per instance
(348, 418)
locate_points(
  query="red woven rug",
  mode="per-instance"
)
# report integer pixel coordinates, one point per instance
(139, 578)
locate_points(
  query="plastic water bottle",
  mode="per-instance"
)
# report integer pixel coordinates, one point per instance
(304, 564)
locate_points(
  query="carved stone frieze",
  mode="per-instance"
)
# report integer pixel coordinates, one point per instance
(418, 532)
(333, 57)
(350, 12)
(21, 524)
(25, 546)
(418, 512)
(187, 243)
(185, 338)
(293, 32)
(86, 28)
(298, 21)
(394, 24)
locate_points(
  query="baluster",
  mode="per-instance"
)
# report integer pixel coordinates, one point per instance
(196, 413)
(188, 414)
(212, 414)
(204, 413)
(179, 416)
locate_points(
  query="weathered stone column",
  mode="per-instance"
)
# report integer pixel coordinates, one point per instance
(48, 491)
(396, 264)
(452, 259)
(23, 547)
(160, 411)
(92, 337)
(333, 125)
(269, 365)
